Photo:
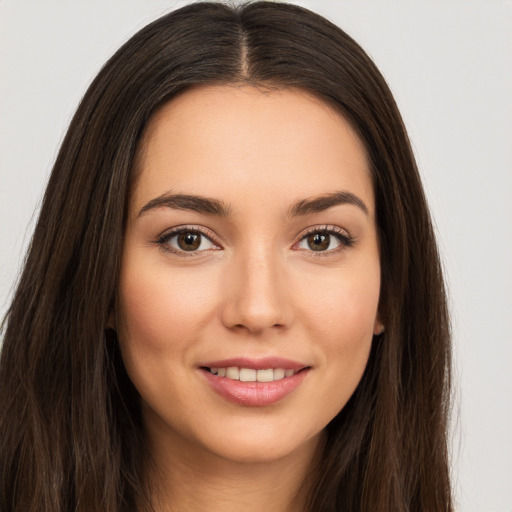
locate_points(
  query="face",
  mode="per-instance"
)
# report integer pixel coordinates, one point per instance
(250, 279)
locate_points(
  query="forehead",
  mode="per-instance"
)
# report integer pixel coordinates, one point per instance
(221, 140)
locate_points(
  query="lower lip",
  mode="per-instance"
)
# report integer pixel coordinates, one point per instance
(254, 394)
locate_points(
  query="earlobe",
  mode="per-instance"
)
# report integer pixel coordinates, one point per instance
(378, 328)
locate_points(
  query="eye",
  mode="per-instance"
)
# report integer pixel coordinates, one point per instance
(325, 240)
(185, 240)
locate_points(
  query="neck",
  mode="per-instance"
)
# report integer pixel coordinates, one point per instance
(187, 478)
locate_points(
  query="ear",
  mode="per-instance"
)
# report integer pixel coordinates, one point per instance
(378, 327)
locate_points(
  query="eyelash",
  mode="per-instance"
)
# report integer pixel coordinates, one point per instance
(163, 240)
(343, 237)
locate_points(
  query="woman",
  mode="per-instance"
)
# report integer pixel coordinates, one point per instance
(233, 296)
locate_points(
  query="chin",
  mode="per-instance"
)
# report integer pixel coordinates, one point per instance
(263, 444)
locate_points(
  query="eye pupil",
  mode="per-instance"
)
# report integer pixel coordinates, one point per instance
(189, 241)
(318, 242)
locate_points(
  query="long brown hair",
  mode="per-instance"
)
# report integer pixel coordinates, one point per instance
(71, 437)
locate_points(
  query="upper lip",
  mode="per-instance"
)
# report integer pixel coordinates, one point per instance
(256, 363)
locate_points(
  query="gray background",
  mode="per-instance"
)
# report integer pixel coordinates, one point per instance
(450, 66)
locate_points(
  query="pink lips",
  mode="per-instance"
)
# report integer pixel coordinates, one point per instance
(255, 394)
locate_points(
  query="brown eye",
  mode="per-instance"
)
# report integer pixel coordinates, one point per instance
(319, 241)
(327, 240)
(186, 241)
(189, 241)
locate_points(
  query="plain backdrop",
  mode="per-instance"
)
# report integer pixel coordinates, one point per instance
(449, 64)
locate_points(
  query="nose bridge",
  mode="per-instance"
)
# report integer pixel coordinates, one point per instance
(256, 289)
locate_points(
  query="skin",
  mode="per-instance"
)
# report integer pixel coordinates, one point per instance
(256, 289)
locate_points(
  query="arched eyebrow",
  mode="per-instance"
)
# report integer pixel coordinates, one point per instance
(212, 206)
(324, 202)
(187, 202)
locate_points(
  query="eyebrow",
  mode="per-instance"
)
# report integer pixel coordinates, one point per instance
(324, 202)
(211, 206)
(187, 202)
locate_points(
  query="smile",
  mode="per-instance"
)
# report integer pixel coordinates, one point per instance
(251, 374)
(254, 382)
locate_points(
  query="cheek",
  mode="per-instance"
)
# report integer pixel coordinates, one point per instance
(160, 313)
(341, 320)
(162, 309)
(343, 308)
(349, 316)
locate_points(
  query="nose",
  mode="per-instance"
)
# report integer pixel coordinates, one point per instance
(256, 294)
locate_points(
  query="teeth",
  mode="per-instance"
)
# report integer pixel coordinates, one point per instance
(247, 375)
(279, 373)
(251, 375)
(265, 375)
(233, 373)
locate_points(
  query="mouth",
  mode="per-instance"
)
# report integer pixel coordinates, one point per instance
(254, 382)
(251, 374)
